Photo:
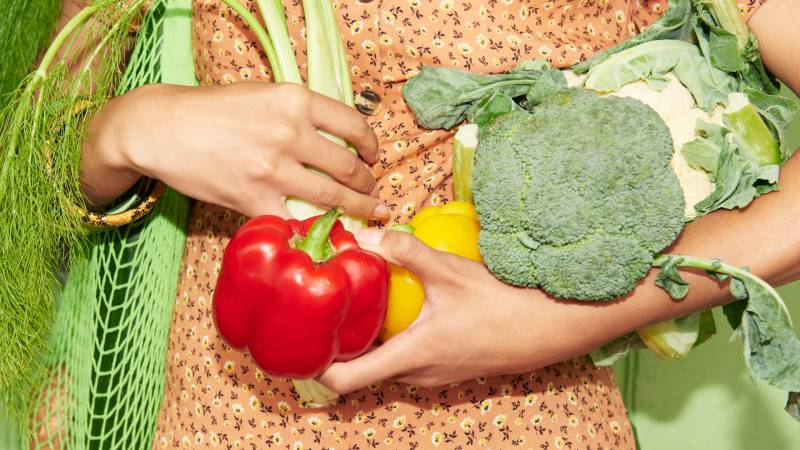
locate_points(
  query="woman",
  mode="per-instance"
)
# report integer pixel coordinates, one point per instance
(443, 382)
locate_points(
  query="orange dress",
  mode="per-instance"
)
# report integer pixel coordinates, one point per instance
(216, 397)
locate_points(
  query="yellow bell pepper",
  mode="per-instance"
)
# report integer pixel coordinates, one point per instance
(451, 228)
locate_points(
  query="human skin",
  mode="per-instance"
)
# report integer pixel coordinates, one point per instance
(457, 336)
(473, 325)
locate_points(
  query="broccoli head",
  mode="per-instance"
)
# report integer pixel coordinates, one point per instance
(576, 195)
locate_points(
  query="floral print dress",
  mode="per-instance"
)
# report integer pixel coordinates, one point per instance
(216, 397)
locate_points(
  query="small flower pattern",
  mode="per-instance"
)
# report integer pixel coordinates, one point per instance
(216, 397)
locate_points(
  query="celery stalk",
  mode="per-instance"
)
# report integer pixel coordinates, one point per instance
(730, 19)
(285, 63)
(328, 74)
(334, 38)
(751, 134)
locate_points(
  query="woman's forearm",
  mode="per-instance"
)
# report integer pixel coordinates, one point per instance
(764, 237)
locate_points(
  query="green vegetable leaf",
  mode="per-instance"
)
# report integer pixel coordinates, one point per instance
(771, 348)
(702, 154)
(490, 107)
(778, 111)
(719, 46)
(673, 24)
(669, 278)
(734, 311)
(738, 180)
(708, 327)
(653, 60)
(441, 97)
(550, 82)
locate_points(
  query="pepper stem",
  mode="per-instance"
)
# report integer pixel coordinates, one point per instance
(316, 244)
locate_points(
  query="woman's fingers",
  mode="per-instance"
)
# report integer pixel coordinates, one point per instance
(345, 122)
(393, 358)
(337, 161)
(321, 190)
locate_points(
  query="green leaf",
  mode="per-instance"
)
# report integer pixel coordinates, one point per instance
(669, 278)
(733, 311)
(490, 107)
(673, 24)
(778, 111)
(708, 327)
(771, 348)
(737, 181)
(550, 82)
(701, 153)
(441, 97)
(653, 60)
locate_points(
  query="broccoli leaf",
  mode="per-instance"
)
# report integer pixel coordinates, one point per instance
(441, 97)
(490, 107)
(708, 327)
(673, 24)
(669, 279)
(771, 348)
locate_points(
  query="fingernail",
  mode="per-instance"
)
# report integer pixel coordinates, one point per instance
(381, 211)
(369, 236)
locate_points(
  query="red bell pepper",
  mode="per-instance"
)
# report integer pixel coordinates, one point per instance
(299, 295)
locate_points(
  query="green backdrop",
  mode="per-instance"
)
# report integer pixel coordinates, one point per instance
(706, 401)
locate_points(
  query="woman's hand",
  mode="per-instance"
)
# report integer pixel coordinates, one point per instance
(241, 146)
(471, 325)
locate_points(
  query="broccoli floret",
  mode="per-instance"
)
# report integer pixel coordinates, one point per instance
(567, 204)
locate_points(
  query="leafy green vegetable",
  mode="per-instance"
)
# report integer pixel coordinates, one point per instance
(779, 112)
(726, 42)
(441, 97)
(771, 349)
(652, 60)
(562, 206)
(673, 24)
(615, 350)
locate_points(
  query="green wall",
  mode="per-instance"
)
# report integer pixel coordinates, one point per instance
(706, 401)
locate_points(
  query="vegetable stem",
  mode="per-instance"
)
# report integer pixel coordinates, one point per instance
(275, 20)
(316, 243)
(754, 139)
(261, 35)
(731, 20)
(719, 267)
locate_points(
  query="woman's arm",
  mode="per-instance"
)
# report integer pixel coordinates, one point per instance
(243, 146)
(473, 325)
(776, 24)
